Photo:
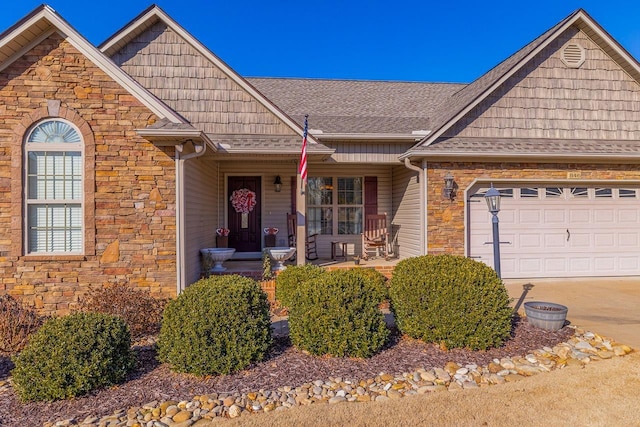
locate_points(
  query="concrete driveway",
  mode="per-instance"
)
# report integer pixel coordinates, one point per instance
(607, 306)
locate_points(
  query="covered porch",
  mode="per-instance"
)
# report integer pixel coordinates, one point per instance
(339, 197)
(254, 269)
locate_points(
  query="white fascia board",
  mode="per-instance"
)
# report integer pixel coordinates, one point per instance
(204, 51)
(264, 151)
(179, 135)
(19, 53)
(597, 29)
(130, 29)
(515, 157)
(368, 136)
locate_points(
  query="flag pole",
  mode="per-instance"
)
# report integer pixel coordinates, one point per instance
(301, 202)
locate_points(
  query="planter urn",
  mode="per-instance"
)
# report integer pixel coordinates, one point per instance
(546, 315)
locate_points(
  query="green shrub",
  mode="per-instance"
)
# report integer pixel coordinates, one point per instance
(72, 355)
(289, 281)
(267, 272)
(379, 280)
(451, 300)
(141, 311)
(337, 314)
(17, 324)
(218, 325)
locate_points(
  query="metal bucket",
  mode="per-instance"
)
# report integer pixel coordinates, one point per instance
(546, 315)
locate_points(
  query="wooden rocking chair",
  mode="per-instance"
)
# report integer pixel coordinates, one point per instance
(311, 250)
(375, 236)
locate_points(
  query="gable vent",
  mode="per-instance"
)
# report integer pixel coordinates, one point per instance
(573, 55)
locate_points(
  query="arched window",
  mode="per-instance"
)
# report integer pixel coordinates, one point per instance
(54, 188)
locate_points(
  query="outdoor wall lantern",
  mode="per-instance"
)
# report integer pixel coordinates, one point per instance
(450, 187)
(492, 196)
(278, 184)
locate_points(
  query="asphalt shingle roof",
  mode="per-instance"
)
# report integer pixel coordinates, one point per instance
(276, 144)
(356, 106)
(462, 145)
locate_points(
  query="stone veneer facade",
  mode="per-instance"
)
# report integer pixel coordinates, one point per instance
(446, 220)
(129, 204)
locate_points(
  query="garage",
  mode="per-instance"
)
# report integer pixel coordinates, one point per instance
(549, 231)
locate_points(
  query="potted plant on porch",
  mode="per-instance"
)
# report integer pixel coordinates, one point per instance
(222, 238)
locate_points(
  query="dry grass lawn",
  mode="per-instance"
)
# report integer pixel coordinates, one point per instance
(604, 393)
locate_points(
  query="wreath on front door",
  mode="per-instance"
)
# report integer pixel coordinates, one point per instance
(243, 200)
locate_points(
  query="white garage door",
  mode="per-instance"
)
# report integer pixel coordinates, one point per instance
(560, 232)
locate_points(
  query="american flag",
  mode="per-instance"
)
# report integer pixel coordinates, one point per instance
(302, 170)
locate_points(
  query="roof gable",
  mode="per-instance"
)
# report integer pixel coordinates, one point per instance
(548, 99)
(458, 108)
(43, 22)
(154, 37)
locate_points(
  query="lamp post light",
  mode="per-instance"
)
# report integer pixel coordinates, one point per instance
(492, 196)
(449, 190)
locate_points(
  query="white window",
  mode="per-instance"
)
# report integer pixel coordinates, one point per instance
(350, 205)
(54, 188)
(320, 205)
(627, 193)
(531, 192)
(553, 192)
(577, 192)
(324, 199)
(604, 192)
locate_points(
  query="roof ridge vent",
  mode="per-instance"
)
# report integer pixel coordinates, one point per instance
(573, 55)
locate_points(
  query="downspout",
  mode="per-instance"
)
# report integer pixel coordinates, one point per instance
(422, 198)
(424, 219)
(200, 148)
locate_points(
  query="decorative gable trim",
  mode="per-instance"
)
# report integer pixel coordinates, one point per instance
(44, 21)
(154, 14)
(584, 23)
(26, 48)
(573, 55)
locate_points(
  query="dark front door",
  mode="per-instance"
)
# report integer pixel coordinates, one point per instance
(243, 199)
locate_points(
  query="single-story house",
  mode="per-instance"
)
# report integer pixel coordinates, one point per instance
(118, 162)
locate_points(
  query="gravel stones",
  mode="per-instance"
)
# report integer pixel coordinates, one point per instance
(201, 410)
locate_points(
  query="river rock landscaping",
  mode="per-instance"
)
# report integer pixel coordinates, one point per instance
(155, 396)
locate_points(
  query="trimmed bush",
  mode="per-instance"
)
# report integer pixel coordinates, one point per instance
(337, 314)
(72, 355)
(378, 279)
(218, 325)
(136, 307)
(17, 324)
(450, 300)
(288, 281)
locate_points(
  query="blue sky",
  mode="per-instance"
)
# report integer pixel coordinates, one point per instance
(439, 41)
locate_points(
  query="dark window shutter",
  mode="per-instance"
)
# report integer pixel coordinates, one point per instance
(370, 195)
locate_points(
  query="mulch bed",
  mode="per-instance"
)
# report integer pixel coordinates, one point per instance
(285, 365)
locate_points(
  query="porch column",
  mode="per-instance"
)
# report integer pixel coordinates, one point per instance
(301, 222)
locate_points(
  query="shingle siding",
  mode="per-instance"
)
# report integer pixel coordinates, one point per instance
(189, 83)
(547, 99)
